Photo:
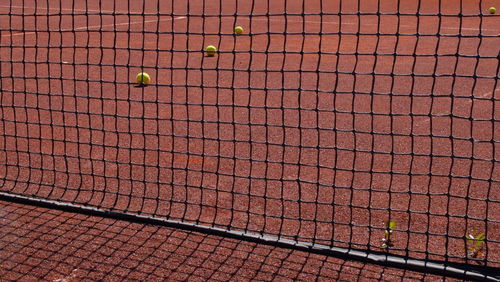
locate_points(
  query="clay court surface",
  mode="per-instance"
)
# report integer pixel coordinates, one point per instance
(40, 244)
(315, 127)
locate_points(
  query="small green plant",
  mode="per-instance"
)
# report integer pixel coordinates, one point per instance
(390, 225)
(475, 243)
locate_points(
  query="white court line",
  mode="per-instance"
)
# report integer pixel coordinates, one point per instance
(483, 95)
(421, 123)
(95, 26)
(370, 24)
(486, 94)
(57, 9)
(259, 19)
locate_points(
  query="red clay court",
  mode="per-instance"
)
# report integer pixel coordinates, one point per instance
(316, 126)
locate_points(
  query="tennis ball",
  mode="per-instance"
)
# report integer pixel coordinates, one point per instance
(238, 30)
(143, 78)
(493, 10)
(211, 50)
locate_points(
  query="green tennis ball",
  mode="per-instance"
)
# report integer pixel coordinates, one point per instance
(493, 10)
(211, 50)
(143, 78)
(238, 30)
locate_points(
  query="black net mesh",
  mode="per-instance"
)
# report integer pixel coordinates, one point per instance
(343, 123)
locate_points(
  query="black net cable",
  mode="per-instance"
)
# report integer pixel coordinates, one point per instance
(364, 125)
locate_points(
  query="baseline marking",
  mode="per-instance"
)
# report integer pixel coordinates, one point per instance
(257, 19)
(90, 28)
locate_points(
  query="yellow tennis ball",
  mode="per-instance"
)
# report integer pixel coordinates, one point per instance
(143, 78)
(238, 30)
(493, 10)
(211, 50)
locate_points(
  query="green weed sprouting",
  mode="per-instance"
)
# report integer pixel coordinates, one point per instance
(475, 243)
(390, 225)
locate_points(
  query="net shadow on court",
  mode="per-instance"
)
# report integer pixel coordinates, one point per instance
(44, 244)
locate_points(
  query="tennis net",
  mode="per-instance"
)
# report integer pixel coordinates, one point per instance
(368, 125)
